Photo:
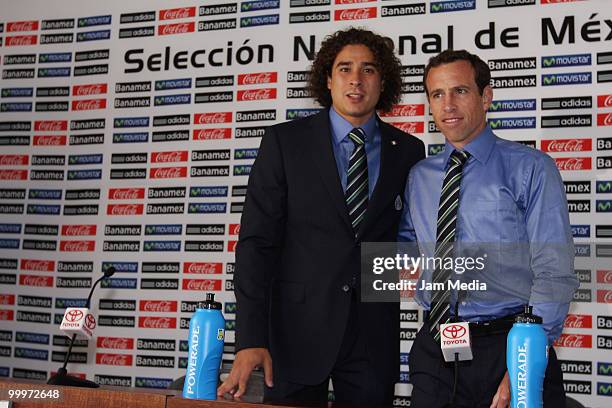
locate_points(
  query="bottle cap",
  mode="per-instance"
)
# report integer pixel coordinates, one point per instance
(210, 303)
(528, 317)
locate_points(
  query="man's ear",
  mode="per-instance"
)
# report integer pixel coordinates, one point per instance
(329, 82)
(487, 97)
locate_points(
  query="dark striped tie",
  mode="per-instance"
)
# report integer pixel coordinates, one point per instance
(445, 237)
(356, 194)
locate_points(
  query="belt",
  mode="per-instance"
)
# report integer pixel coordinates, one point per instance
(486, 328)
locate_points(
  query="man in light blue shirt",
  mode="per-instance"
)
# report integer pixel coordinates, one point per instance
(511, 201)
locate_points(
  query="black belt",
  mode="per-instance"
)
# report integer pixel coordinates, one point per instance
(486, 328)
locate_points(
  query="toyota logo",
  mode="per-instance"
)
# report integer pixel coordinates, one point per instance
(90, 322)
(74, 316)
(454, 331)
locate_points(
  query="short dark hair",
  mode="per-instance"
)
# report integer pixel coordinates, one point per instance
(482, 73)
(387, 63)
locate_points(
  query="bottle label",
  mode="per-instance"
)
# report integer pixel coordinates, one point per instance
(193, 359)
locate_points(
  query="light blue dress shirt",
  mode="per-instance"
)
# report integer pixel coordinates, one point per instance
(343, 147)
(512, 201)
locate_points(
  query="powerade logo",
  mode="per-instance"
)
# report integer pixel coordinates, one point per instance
(604, 388)
(208, 191)
(604, 368)
(512, 123)
(603, 186)
(94, 174)
(53, 72)
(604, 206)
(138, 137)
(36, 338)
(55, 57)
(17, 92)
(117, 283)
(163, 229)
(452, 5)
(242, 154)
(93, 36)
(566, 60)
(172, 84)
(292, 114)
(94, 21)
(145, 382)
(259, 20)
(162, 246)
(10, 228)
(576, 78)
(581, 231)
(36, 194)
(131, 122)
(207, 208)
(172, 100)
(76, 160)
(121, 267)
(259, 5)
(512, 105)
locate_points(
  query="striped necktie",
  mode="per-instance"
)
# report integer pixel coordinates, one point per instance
(445, 237)
(356, 194)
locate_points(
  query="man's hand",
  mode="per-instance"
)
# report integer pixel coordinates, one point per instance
(246, 360)
(502, 397)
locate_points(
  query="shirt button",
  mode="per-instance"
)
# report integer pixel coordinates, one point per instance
(464, 303)
(346, 288)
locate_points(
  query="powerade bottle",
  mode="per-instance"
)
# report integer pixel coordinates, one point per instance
(206, 334)
(526, 358)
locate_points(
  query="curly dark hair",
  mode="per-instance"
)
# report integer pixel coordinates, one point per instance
(387, 63)
(482, 73)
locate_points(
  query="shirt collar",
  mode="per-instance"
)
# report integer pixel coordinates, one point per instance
(341, 127)
(480, 147)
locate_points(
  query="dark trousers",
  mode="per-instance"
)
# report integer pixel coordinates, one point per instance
(478, 379)
(354, 379)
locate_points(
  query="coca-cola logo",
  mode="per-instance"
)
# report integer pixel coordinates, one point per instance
(13, 174)
(573, 163)
(410, 127)
(114, 359)
(211, 118)
(14, 159)
(37, 265)
(125, 209)
(202, 267)
(56, 140)
(77, 246)
(176, 13)
(168, 172)
(558, 1)
(91, 89)
(73, 316)
(567, 145)
(231, 246)
(122, 343)
(234, 229)
(20, 40)
(406, 110)
(604, 296)
(257, 94)
(574, 321)
(79, 229)
(257, 78)
(169, 157)
(355, 14)
(126, 193)
(604, 119)
(7, 315)
(574, 341)
(88, 104)
(50, 125)
(604, 276)
(454, 331)
(212, 134)
(158, 306)
(353, 1)
(179, 28)
(33, 280)
(150, 322)
(202, 284)
(7, 299)
(22, 26)
(604, 101)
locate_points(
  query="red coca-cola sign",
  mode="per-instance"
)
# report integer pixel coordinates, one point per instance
(354, 1)
(257, 78)
(168, 172)
(126, 193)
(50, 125)
(234, 229)
(411, 109)
(79, 229)
(22, 26)
(567, 145)
(13, 174)
(122, 343)
(114, 359)
(124, 209)
(410, 127)
(604, 101)
(7, 299)
(51, 140)
(355, 14)
(158, 306)
(14, 159)
(574, 341)
(170, 157)
(578, 321)
(36, 280)
(604, 276)
(604, 119)
(604, 296)
(231, 246)
(212, 118)
(573, 163)
(176, 13)
(558, 1)
(39, 265)
(212, 134)
(20, 40)
(179, 28)
(256, 94)
(153, 322)
(203, 267)
(7, 314)
(90, 89)
(88, 104)
(202, 284)
(77, 246)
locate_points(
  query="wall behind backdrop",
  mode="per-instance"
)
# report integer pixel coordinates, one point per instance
(128, 130)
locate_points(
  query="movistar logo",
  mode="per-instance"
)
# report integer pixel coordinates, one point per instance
(604, 368)
(604, 388)
(604, 206)
(604, 186)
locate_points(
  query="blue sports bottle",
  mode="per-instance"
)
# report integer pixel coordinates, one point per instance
(526, 358)
(206, 334)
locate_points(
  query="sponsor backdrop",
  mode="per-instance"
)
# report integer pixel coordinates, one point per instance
(128, 130)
